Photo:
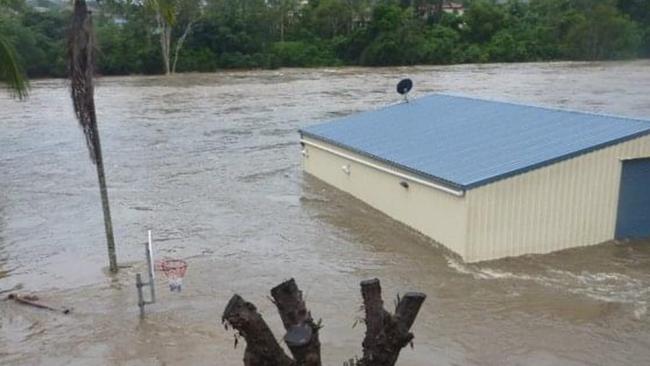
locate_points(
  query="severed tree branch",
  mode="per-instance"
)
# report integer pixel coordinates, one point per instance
(386, 334)
(302, 332)
(373, 305)
(261, 347)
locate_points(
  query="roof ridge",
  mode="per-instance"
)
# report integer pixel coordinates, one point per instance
(538, 106)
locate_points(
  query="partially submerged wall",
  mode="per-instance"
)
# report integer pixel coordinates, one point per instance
(568, 204)
(440, 215)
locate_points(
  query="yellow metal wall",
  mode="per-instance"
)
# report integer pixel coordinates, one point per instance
(569, 204)
(439, 215)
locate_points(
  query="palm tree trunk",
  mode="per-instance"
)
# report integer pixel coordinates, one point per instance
(108, 223)
(81, 53)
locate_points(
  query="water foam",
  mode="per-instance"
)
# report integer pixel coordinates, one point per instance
(601, 286)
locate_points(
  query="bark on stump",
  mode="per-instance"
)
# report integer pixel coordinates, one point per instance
(261, 347)
(386, 334)
(302, 332)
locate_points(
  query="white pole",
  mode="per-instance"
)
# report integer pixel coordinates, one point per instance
(149, 252)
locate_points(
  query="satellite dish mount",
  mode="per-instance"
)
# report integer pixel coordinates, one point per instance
(404, 87)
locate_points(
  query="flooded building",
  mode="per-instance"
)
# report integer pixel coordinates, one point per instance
(491, 179)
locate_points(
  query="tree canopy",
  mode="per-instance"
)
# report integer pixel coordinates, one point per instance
(220, 34)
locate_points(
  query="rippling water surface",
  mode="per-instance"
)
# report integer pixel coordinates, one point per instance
(211, 164)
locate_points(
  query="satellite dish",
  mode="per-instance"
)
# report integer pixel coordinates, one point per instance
(404, 86)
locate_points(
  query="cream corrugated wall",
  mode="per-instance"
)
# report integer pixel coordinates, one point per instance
(437, 214)
(569, 204)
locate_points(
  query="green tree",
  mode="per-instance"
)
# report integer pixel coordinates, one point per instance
(126, 40)
(170, 14)
(11, 73)
(284, 14)
(397, 37)
(443, 46)
(484, 19)
(602, 32)
(639, 11)
(332, 18)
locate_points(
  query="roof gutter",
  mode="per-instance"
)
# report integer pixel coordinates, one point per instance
(455, 192)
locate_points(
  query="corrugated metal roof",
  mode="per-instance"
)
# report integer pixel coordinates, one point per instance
(465, 142)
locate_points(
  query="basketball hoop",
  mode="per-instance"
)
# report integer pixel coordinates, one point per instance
(174, 270)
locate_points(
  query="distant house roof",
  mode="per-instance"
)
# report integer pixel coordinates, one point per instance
(452, 6)
(465, 142)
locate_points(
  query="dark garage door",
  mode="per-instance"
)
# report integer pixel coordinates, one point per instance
(633, 219)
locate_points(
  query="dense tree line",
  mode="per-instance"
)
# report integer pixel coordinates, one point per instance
(158, 36)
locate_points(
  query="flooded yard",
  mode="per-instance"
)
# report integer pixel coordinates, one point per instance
(211, 164)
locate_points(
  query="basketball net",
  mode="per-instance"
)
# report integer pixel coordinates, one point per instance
(174, 270)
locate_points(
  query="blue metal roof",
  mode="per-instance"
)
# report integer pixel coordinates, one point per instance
(465, 142)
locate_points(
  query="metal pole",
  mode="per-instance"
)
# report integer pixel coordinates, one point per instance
(149, 252)
(138, 285)
(138, 278)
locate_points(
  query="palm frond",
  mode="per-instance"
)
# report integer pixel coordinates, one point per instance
(81, 67)
(11, 73)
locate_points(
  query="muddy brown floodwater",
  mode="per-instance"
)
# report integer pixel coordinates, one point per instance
(211, 164)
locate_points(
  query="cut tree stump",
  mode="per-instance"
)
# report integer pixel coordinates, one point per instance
(386, 334)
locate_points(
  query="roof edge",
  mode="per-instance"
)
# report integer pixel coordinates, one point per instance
(558, 159)
(540, 106)
(486, 181)
(433, 179)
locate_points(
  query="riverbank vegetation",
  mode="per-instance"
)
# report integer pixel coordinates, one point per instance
(158, 36)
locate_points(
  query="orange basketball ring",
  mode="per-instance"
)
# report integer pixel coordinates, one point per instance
(174, 270)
